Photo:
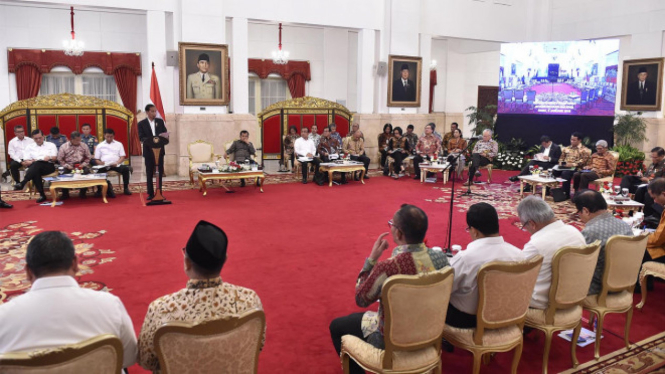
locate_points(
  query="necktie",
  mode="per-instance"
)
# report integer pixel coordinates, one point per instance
(203, 77)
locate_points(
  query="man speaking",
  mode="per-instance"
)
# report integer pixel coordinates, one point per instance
(149, 128)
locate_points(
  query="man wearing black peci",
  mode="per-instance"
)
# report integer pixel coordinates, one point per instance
(149, 128)
(548, 156)
(641, 91)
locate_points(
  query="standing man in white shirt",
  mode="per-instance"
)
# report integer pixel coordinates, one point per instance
(304, 147)
(487, 246)
(549, 157)
(112, 154)
(16, 150)
(548, 235)
(38, 159)
(57, 311)
(149, 128)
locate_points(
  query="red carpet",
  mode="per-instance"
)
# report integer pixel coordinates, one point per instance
(300, 247)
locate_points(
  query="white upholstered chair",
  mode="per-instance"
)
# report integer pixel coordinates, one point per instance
(200, 152)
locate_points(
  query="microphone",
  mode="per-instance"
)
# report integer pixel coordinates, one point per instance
(477, 137)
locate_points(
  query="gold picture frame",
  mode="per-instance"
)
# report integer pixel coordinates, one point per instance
(648, 97)
(408, 95)
(211, 88)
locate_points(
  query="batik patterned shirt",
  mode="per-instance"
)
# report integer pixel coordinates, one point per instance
(337, 136)
(355, 147)
(402, 142)
(70, 154)
(602, 227)
(602, 165)
(408, 259)
(447, 136)
(383, 140)
(487, 149)
(289, 142)
(201, 300)
(316, 138)
(428, 145)
(575, 156)
(328, 145)
(413, 139)
(656, 170)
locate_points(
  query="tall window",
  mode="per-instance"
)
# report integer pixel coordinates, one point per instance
(99, 85)
(265, 92)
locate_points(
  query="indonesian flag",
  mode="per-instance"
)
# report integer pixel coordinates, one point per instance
(155, 96)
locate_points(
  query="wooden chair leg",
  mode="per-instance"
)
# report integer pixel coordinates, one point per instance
(516, 357)
(643, 285)
(546, 352)
(626, 333)
(191, 178)
(599, 334)
(477, 357)
(345, 362)
(573, 344)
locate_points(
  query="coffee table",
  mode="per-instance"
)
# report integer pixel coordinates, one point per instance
(84, 181)
(345, 167)
(626, 205)
(434, 168)
(245, 174)
(537, 180)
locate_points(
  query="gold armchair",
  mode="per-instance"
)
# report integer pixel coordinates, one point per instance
(623, 258)
(228, 345)
(504, 293)
(649, 268)
(572, 270)
(200, 152)
(415, 308)
(102, 354)
(600, 181)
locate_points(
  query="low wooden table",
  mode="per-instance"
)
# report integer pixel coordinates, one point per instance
(436, 168)
(626, 205)
(77, 183)
(536, 180)
(204, 177)
(346, 167)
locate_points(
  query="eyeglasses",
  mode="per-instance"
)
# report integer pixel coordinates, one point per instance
(391, 224)
(524, 225)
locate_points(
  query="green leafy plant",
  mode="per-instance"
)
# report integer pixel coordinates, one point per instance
(631, 160)
(629, 129)
(481, 118)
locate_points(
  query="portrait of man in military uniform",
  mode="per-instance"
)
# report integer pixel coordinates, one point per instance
(203, 74)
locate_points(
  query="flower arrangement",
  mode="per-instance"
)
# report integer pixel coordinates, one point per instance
(231, 167)
(606, 187)
(631, 160)
(510, 160)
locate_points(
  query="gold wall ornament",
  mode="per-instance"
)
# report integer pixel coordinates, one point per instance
(306, 102)
(64, 100)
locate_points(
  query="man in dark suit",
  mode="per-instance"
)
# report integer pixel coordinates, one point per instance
(550, 154)
(149, 128)
(403, 88)
(642, 91)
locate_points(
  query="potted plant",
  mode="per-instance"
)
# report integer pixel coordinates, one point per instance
(481, 118)
(629, 130)
(631, 160)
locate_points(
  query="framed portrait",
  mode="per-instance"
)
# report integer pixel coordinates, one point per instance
(642, 85)
(204, 72)
(404, 81)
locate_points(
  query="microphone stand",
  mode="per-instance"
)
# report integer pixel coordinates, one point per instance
(452, 164)
(468, 189)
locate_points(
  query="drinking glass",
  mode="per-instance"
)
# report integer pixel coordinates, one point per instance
(617, 190)
(624, 192)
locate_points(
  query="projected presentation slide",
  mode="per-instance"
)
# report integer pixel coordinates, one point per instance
(570, 78)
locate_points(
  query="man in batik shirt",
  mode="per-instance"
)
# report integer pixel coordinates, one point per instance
(428, 146)
(206, 296)
(483, 153)
(355, 147)
(575, 156)
(329, 148)
(335, 134)
(408, 228)
(71, 155)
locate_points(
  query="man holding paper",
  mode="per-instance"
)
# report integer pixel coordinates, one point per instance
(600, 165)
(329, 148)
(111, 154)
(546, 158)
(149, 128)
(305, 151)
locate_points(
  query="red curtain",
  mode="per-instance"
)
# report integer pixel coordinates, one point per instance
(28, 81)
(297, 85)
(263, 68)
(45, 60)
(125, 79)
(432, 83)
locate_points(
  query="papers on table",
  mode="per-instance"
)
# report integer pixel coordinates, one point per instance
(559, 167)
(586, 337)
(643, 185)
(304, 159)
(333, 156)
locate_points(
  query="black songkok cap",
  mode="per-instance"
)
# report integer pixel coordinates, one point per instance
(206, 246)
(405, 67)
(642, 70)
(204, 57)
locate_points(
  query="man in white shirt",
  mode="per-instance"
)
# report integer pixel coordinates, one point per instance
(548, 235)
(16, 150)
(111, 154)
(487, 246)
(304, 147)
(38, 159)
(57, 311)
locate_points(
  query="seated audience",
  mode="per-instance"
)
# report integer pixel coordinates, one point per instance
(287, 151)
(304, 147)
(412, 137)
(487, 245)
(57, 311)
(574, 156)
(88, 139)
(549, 153)
(656, 243)
(456, 146)
(355, 147)
(599, 224)
(242, 150)
(398, 149)
(483, 153)
(384, 137)
(38, 159)
(548, 235)
(411, 256)
(329, 149)
(206, 296)
(16, 150)
(428, 146)
(633, 182)
(433, 126)
(335, 134)
(354, 128)
(56, 138)
(111, 153)
(314, 135)
(449, 135)
(601, 165)
(72, 154)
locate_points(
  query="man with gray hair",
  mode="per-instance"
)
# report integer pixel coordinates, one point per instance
(600, 165)
(548, 235)
(483, 154)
